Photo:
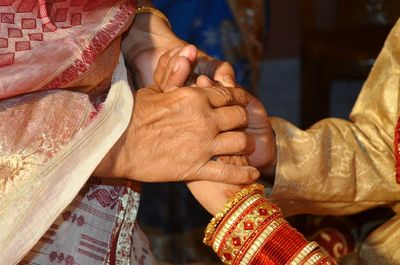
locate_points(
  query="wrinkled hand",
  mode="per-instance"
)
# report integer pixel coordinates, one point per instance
(174, 135)
(181, 60)
(259, 126)
(214, 195)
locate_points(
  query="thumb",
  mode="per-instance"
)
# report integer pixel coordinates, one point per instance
(178, 68)
(177, 73)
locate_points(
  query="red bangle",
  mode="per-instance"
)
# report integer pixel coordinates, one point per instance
(234, 226)
(236, 230)
(258, 231)
(251, 230)
(282, 246)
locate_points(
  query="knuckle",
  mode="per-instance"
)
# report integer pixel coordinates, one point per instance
(241, 141)
(190, 94)
(225, 171)
(245, 161)
(243, 95)
(242, 115)
(243, 176)
(226, 94)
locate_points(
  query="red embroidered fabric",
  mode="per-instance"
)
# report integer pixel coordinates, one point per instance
(49, 43)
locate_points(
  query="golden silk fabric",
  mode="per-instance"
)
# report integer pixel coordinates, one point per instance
(29, 138)
(342, 167)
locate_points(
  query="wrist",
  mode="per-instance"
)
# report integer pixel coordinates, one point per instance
(116, 163)
(148, 10)
(148, 25)
(148, 35)
(270, 168)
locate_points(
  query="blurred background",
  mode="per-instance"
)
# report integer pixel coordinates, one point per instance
(305, 60)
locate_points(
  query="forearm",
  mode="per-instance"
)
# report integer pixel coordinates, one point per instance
(145, 29)
(141, 35)
(212, 195)
(341, 167)
(148, 38)
(335, 167)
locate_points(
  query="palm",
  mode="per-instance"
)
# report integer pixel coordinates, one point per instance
(264, 156)
(260, 128)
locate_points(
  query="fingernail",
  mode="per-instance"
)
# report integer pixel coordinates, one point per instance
(208, 80)
(186, 52)
(256, 174)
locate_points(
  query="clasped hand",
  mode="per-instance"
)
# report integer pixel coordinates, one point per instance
(174, 136)
(213, 195)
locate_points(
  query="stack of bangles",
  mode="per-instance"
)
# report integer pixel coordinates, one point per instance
(251, 230)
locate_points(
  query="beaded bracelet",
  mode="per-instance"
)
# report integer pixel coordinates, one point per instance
(156, 12)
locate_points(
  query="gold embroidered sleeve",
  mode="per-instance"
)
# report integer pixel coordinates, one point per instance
(338, 166)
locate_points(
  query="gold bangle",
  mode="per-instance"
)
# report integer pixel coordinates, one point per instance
(303, 253)
(156, 12)
(314, 258)
(227, 225)
(210, 229)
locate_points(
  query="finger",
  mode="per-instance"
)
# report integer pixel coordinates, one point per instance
(177, 73)
(225, 80)
(163, 63)
(170, 62)
(224, 73)
(236, 160)
(191, 80)
(233, 143)
(225, 173)
(190, 52)
(204, 81)
(220, 96)
(179, 68)
(220, 71)
(231, 117)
